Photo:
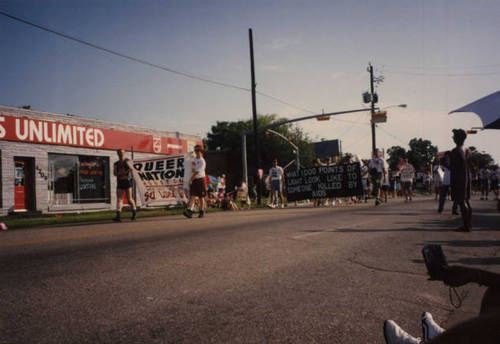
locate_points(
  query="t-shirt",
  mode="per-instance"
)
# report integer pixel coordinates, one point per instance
(198, 165)
(122, 169)
(276, 173)
(406, 173)
(378, 164)
(446, 175)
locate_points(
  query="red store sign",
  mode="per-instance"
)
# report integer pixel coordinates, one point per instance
(21, 129)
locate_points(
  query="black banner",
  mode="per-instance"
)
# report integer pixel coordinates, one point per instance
(324, 182)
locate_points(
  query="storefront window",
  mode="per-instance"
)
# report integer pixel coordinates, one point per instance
(78, 179)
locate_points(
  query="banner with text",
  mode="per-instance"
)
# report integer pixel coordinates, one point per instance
(324, 182)
(161, 181)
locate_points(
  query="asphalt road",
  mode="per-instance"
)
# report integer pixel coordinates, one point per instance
(327, 275)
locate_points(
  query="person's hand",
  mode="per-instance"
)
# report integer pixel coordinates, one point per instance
(456, 276)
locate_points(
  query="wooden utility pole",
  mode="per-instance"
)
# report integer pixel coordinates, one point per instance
(255, 124)
(370, 69)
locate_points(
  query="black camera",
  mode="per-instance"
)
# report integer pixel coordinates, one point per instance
(435, 261)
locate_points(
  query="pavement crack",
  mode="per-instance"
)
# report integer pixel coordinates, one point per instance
(374, 268)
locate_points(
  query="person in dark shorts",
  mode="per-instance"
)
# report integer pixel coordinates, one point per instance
(460, 178)
(197, 184)
(123, 171)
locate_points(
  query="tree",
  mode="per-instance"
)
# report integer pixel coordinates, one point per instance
(479, 159)
(421, 154)
(226, 136)
(396, 153)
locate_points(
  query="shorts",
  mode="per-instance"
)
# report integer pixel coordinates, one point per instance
(406, 185)
(385, 187)
(123, 184)
(494, 184)
(275, 185)
(198, 188)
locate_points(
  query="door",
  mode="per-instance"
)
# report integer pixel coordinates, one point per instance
(23, 184)
(20, 187)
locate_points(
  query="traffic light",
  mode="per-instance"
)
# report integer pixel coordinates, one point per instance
(471, 132)
(367, 97)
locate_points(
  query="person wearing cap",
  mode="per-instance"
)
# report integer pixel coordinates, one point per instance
(460, 178)
(197, 184)
(277, 177)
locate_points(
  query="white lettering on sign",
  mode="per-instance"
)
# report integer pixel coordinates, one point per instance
(2, 129)
(52, 132)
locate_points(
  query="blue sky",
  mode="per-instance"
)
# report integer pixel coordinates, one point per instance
(435, 56)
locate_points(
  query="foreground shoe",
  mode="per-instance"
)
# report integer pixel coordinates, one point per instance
(188, 213)
(202, 213)
(394, 334)
(430, 328)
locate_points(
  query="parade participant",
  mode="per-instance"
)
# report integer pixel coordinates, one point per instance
(445, 185)
(377, 170)
(484, 182)
(385, 187)
(460, 182)
(122, 169)
(437, 178)
(276, 176)
(197, 184)
(364, 179)
(407, 173)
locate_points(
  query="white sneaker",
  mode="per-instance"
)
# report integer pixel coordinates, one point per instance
(394, 334)
(429, 327)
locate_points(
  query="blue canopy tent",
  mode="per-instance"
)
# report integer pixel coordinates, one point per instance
(487, 108)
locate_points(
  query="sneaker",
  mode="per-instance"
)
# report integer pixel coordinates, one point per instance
(394, 334)
(430, 328)
(188, 213)
(377, 201)
(202, 213)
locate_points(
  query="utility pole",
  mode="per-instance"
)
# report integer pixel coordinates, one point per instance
(370, 69)
(255, 124)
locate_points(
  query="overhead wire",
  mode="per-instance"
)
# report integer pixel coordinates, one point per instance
(157, 66)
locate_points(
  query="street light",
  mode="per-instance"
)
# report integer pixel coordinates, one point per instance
(291, 143)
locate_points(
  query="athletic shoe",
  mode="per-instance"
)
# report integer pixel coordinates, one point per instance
(188, 213)
(377, 201)
(430, 328)
(394, 334)
(202, 213)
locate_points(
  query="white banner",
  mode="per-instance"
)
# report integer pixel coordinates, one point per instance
(163, 181)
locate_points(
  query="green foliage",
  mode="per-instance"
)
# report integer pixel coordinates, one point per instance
(421, 154)
(395, 154)
(226, 136)
(480, 160)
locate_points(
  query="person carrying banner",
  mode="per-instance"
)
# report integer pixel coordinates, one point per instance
(197, 184)
(122, 169)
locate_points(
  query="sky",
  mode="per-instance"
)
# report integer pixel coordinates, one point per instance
(435, 56)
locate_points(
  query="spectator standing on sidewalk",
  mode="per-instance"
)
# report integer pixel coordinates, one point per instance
(197, 184)
(460, 179)
(122, 169)
(277, 178)
(407, 173)
(377, 170)
(484, 182)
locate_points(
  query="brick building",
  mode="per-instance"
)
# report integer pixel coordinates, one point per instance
(53, 163)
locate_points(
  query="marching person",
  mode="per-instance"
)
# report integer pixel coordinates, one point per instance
(123, 171)
(406, 173)
(377, 171)
(277, 177)
(197, 184)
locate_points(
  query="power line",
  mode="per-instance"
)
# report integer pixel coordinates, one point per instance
(439, 67)
(393, 71)
(81, 41)
(147, 63)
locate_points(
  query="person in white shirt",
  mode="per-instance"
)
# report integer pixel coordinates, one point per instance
(406, 175)
(445, 183)
(197, 184)
(376, 168)
(277, 178)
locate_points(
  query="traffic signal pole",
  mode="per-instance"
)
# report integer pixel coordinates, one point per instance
(255, 124)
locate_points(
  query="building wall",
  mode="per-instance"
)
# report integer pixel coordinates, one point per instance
(40, 153)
